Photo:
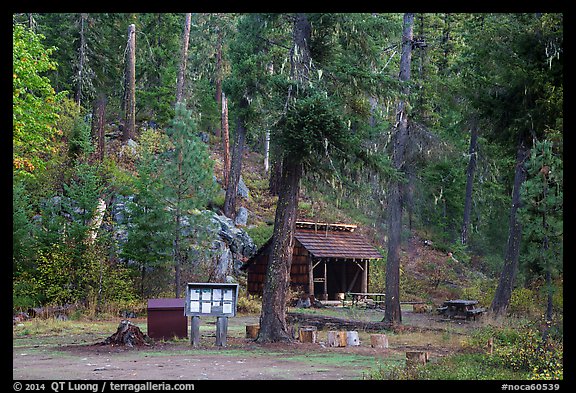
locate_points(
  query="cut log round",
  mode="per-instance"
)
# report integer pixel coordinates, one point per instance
(337, 338)
(378, 341)
(252, 331)
(352, 338)
(307, 334)
(414, 358)
(127, 334)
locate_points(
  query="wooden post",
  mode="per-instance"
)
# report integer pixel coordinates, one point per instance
(365, 278)
(311, 277)
(325, 281)
(252, 331)
(378, 341)
(337, 338)
(307, 334)
(195, 331)
(221, 331)
(414, 358)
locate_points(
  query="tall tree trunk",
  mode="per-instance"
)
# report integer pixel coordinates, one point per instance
(273, 317)
(183, 59)
(236, 165)
(508, 276)
(267, 134)
(219, 94)
(130, 97)
(469, 182)
(275, 175)
(225, 141)
(392, 312)
(98, 121)
(81, 58)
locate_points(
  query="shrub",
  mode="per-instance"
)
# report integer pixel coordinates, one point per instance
(523, 302)
(531, 353)
(260, 234)
(249, 305)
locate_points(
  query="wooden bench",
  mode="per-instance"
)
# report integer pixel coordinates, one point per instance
(442, 310)
(474, 312)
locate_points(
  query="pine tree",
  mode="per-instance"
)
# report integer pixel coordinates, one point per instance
(187, 172)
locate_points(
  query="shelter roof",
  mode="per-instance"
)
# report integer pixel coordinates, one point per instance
(324, 240)
(344, 244)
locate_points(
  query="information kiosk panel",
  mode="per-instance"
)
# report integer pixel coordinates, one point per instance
(211, 299)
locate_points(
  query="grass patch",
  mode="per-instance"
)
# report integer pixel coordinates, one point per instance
(469, 366)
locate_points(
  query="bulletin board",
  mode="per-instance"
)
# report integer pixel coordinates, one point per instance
(211, 299)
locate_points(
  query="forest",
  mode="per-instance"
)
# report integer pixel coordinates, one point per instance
(155, 149)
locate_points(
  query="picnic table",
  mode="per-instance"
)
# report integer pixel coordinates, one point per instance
(355, 297)
(461, 308)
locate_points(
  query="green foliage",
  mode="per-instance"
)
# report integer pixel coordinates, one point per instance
(523, 301)
(60, 280)
(25, 292)
(542, 212)
(480, 289)
(442, 208)
(455, 367)
(149, 244)
(249, 305)
(34, 101)
(523, 349)
(260, 234)
(542, 359)
(23, 242)
(312, 129)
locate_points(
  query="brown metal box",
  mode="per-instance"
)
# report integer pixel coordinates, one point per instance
(166, 319)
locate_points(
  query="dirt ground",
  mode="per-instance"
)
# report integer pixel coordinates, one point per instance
(83, 358)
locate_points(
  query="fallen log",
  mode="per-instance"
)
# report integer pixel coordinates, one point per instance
(335, 323)
(127, 334)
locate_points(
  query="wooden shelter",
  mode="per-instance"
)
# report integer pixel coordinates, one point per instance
(328, 259)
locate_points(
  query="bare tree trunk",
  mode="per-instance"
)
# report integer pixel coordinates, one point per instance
(183, 59)
(469, 182)
(275, 175)
(236, 166)
(81, 58)
(98, 121)
(508, 276)
(225, 141)
(392, 312)
(130, 98)
(273, 317)
(219, 94)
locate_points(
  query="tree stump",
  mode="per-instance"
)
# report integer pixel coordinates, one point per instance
(352, 338)
(337, 338)
(378, 341)
(252, 331)
(414, 358)
(307, 334)
(127, 334)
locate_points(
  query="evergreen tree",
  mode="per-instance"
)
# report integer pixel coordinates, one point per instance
(187, 172)
(542, 217)
(149, 243)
